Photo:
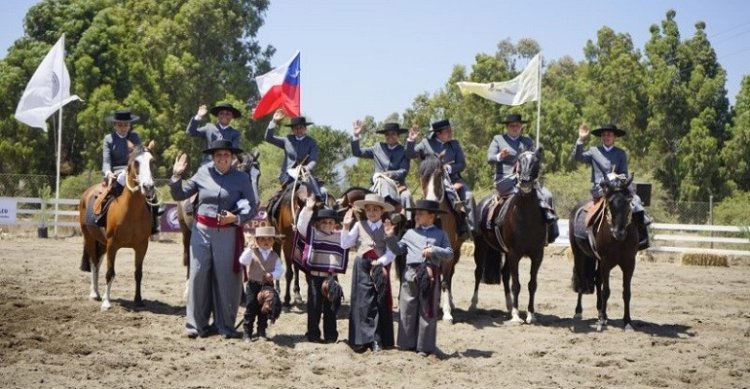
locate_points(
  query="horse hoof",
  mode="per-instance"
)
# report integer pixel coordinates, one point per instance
(516, 320)
(473, 307)
(448, 319)
(628, 328)
(106, 307)
(531, 318)
(95, 297)
(286, 304)
(578, 316)
(139, 304)
(599, 327)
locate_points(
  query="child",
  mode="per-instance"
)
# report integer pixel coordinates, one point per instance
(327, 256)
(262, 266)
(370, 321)
(425, 247)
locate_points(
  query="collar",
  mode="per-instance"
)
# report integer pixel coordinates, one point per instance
(389, 147)
(299, 138)
(425, 228)
(608, 148)
(122, 136)
(265, 253)
(376, 225)
(222, 127)
(513, 138)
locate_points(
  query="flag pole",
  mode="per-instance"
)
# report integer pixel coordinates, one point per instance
(539, 100)
(59, 141)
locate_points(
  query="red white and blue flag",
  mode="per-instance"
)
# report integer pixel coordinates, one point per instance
(280, 88)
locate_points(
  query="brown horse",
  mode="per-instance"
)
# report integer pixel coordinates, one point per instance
(245, 162)
(613, 241)
(522, 232)
(128, 224)
(432, 177)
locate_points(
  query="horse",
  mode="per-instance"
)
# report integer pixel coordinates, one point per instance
(246, 162)
(128, 224)
(611, 241)
(284, 218)
(522, 231)
(432, 177)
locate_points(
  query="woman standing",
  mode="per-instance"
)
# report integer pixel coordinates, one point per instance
(225, 202)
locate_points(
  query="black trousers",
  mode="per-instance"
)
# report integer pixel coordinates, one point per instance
(252, 310)
(318, 305)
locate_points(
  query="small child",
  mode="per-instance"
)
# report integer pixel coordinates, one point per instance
(425, 247)
(370, 317)
(327, 256)
(262, 266)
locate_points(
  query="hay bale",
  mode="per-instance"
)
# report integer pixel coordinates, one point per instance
(702, 259)
(645, 256)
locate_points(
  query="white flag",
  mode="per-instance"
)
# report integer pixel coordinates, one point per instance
(48, 90)
(522, 89)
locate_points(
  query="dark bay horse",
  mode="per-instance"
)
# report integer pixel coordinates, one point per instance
(611, 241)
(432, 177)
(521, 233)
(245, 162)
(128, 224)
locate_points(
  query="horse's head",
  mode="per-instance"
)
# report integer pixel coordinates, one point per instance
(140, 167)
(431, 176)
(250, 164)
(528, 165)
(618, 211)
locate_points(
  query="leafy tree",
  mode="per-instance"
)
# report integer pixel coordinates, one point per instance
(736, 165)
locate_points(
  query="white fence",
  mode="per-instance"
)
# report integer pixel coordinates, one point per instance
(675, 238)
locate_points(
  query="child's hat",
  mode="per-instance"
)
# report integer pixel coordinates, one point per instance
(267, 232)
(373, 199)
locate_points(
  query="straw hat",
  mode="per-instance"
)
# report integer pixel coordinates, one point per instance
(373, 199)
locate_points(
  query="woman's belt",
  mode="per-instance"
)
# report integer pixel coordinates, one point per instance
(239, 237)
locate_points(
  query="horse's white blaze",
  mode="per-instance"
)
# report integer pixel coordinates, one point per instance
(431, 191)
(447, 316)
(145, 179)
(254, 174)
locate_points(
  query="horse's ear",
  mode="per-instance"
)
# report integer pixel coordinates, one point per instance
(151, 146)
(131, 146)
(539, 152)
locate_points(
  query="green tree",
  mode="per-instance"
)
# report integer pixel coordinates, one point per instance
(736, 164)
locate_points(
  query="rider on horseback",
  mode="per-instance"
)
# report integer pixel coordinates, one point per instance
(211, 132)
(299, 150)
(503, 152)
(606, 158)
(116, 151)
(389, 158)
(440, 141)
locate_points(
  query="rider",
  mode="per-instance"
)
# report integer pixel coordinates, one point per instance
(222, 129)
(503, 152)
(440, 141)
(610, 158)
(389, 157)
(115, 155)
(298, 149)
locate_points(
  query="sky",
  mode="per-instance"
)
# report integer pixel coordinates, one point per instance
(373, 57)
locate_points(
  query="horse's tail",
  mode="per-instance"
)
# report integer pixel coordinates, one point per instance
(584, 272)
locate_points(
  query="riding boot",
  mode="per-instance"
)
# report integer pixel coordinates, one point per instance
(462, 225)
(643, 238)
(553, 231)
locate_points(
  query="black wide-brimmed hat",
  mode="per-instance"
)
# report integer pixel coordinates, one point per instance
(388, 127)
(326, 213)
(221, 144)
(426, 205)
(225, 107)
(122, 115)
(513, 118)
(299, 120)
(441, 125)
(609, 127)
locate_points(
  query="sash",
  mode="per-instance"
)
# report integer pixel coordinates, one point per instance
(239, 237)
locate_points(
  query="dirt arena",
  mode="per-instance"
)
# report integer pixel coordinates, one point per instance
(692, 329)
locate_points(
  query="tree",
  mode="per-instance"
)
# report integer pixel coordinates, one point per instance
(736, 165)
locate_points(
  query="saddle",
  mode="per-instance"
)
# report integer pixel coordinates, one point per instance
(593, 208)
(495, 211)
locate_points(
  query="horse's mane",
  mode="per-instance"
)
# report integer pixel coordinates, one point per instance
(429, 165)
(136, 152)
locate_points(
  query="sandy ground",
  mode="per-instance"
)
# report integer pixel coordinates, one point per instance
(692, 329)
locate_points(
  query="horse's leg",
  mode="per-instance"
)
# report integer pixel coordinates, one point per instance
(506, 284)
(110, 277)
(536, 263)
(627, 276)
(446, 291)
(297, 294)
(94, 258)
(479, 258)
(140, 254)
(605, 291)
(579, 308)
(515, 289)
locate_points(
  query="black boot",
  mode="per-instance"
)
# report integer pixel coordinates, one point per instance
(462, 226)
(553, 231)
(643, 238)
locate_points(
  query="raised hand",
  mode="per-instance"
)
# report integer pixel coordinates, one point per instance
(348, 218)
(278, 115)
(583, 131)
(310, 202)
(180, 164)
(414, 133)
(357, 127)
(202, 111)
(388, 227)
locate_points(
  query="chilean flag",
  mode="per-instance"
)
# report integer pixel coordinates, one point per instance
(280, 88)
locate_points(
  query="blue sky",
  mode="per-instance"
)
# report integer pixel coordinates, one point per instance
(373, 57)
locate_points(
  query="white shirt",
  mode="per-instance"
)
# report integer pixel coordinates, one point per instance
(349, 238)
(247, 257)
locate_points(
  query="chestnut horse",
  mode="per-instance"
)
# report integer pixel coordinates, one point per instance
(611, 241)
(128, 224)
(522, 232)
(245, 162)
(432, 177)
